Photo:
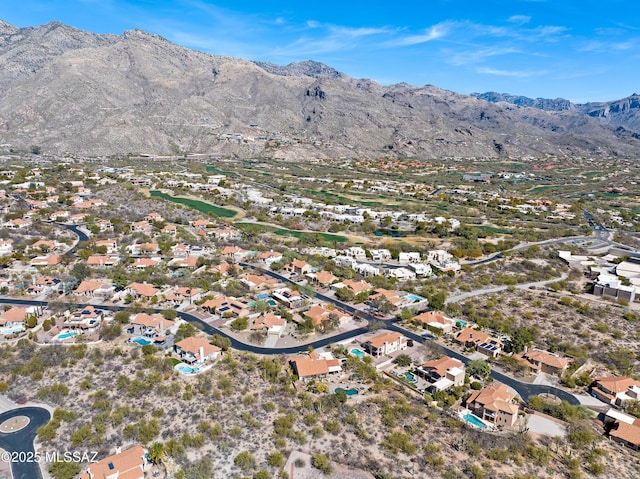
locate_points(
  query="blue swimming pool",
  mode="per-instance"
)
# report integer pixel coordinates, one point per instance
(348, 392)
(11, 330)
(461, 323)
(414, 297)
(263, 296)
(65, 335)
(474, 421)
(141, 341)
(183, 368)
(357, 352)
(410, 377)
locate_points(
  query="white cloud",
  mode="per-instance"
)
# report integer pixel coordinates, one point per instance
(478, 55)
(433, 33)
(510, 73)
(519, 19)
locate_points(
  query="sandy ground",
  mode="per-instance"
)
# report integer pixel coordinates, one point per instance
(307, 471)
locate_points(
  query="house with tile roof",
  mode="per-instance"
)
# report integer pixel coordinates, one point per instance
(197, 350)
(435, 322)
(298, 267)
(227, 306)
(87, 318)
(110, 244)
(288, 297)
(270, 323)
(151, 325)
(95, 288)
(141, 290)
(314, 366)
(443, 373)
(128, 464)
(616, 390)
(496, 404)
(14, 317)
(546, 362)
(102, 261)
(323, 278)
(626, 434)
(355, 286)
(47, 260)
(482, 342)
(385, 343)
(269, 257)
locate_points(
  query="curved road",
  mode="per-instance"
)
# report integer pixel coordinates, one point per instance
(524, 389)
(22, 441)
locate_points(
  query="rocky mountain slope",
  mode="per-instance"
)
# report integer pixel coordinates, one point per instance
(623, 113)
(67, 90)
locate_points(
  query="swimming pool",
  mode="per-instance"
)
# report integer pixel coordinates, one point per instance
(474, 420)
(461, 323)
(414, 297)
(263, 296)
(12, 330)
(348, 392)
(410, 377)
(65, 335)
(141, 341)
(357, 352)
(183, 368)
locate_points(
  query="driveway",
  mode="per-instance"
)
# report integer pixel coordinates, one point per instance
(545, 426)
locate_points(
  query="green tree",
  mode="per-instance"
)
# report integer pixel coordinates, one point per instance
(478, 367)
(122, 317)
(80, 271)
(276, 459)
(64, 469)
(321, 461)
(157, 452)
(240, 324)
(523, 337)
(437, 301)
(220, 341)
(403, 360)
(185, 330)
(245, 460)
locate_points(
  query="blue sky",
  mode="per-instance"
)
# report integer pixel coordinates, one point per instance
(582, 50)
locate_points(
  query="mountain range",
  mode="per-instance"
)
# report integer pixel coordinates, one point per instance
(69, 91)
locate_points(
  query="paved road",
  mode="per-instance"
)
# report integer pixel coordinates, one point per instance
(478, 292)
(22, 441)
(524, 389)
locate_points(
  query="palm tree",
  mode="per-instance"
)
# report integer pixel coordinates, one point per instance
(157, 453)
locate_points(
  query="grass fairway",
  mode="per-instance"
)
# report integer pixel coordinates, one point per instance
(201, 206)
(296, 234)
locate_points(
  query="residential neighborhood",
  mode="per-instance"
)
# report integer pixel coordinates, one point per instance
(182, 304)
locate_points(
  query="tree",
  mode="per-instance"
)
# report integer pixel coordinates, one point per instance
(437, 301)
(321, 461)
(276, 459)
(523, 337)
(109, 332)
(170, 314)
(185, 330)
(479, 367)
(240, 324)
(245, 460)
(157, 452)
(403, 360)
(80, 271)
(122, 317)
(345, 294)
(64, 469)
(220, 341)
